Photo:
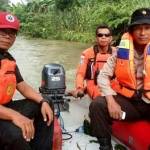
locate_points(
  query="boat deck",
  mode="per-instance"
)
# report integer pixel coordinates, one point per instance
(73, 120)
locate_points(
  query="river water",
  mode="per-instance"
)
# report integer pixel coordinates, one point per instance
(32, 54)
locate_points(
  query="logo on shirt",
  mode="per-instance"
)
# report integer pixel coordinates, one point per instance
(10, 89)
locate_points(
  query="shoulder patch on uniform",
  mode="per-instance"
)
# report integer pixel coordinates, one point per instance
(82, 59)
(124, 44)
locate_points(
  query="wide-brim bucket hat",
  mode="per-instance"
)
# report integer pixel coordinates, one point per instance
(140, 16)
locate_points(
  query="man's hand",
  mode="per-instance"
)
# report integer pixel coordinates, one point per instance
(80, 93)
(47, 113)
(114, 108)
(76, 93)
(25, 124)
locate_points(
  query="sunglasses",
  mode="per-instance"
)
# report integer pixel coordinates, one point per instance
(101, 35)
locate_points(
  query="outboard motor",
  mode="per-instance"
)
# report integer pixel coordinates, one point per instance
(53, 86)
(53, 79)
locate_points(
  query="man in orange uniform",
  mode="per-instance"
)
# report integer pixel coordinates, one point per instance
(24, 124)
(92, 60)
(130, 98)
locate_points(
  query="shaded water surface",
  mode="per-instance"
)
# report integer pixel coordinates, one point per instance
(32, 54)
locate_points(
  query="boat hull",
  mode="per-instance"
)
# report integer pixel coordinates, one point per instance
(135, 135)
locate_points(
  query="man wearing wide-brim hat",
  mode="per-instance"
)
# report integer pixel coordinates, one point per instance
(129, 99)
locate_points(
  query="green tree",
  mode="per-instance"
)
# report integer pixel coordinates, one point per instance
(74, 19)
(4, 5)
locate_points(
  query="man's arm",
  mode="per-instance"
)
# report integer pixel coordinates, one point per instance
(7, 113)
(106, 73)
(24, 123)
(81, 71)
(80, 76)
(28, 92)
(104, 77)
(25, 89)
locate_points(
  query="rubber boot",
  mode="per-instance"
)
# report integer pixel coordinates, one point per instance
(105, 144)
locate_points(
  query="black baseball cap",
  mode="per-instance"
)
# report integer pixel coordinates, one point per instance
(140, 16)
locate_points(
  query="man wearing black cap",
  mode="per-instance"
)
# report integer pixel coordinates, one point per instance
(129, 99)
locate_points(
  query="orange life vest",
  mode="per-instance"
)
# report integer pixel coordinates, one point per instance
(91, 62)
(125, 68)
(7, 80)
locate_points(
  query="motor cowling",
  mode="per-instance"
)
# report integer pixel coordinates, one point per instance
(53, 79)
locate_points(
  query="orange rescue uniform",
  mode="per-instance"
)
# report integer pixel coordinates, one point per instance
(7, 80)
(90, 64)
(125, 69)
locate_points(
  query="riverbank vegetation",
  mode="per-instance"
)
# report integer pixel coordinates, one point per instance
(74, 20)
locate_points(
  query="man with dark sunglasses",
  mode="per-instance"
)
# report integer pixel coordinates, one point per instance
(24, 124)
(129, 99)
(91, 61)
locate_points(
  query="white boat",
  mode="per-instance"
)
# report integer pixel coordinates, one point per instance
(73, 121)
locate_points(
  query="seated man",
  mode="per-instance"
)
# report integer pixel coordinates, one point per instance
(24, 124)
(131, 96)
(92, 60)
